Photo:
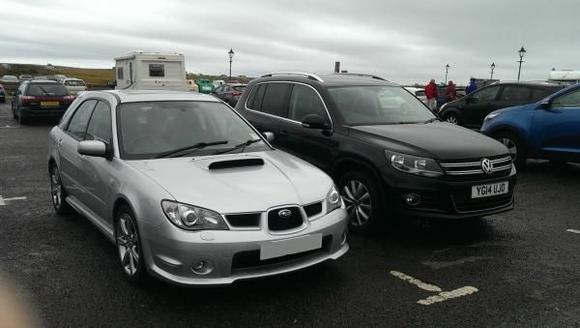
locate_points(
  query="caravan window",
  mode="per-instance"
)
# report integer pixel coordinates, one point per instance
(119, 73)
(156, 70)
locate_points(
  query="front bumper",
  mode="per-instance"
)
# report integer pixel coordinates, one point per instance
(170, 252)
(443, 198)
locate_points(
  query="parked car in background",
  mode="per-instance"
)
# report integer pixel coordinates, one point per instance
(230, 93)
(25, 77)
(9, 79)
(74, 86)
(60, 77)
(40, 98)
(387, 152)
(418, 92)
(2, 94)
(200, 197)
(547, 129)
(470, 110)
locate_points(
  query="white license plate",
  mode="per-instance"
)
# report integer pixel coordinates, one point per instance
(488, 190)
(278, 248)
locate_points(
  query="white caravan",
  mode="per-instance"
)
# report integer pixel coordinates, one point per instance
(568, 76)
(151, 71)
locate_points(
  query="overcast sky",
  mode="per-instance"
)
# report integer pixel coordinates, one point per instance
(404, 40)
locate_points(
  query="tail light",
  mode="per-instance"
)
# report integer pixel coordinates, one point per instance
(236, 93)
(68, 98)
(25, 100)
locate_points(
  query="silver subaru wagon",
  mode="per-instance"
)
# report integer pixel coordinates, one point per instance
(189, 191)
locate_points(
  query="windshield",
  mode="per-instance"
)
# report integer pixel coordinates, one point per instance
(46, 89)
(376, 105)
(156, 129)
(74, 83)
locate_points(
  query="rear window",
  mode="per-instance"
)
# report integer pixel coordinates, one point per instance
(156, 70)
(46, 89)
(75, 83)
(239, 88)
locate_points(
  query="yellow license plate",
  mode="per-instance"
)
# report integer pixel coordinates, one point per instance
(49, 104)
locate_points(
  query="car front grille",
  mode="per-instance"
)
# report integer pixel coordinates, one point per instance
(313, 209)
(246, 220)
(472, 168)
(284, 218)
(467, 206)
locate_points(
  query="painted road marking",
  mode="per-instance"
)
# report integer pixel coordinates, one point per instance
(445, 264)
(4, 200)
(441, 296)
(444, 296)
(416, 282)
(573, 230)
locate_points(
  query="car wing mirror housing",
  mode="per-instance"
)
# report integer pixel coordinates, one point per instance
(546, 103)
(268, 135)
(94, 148)
(314, 121)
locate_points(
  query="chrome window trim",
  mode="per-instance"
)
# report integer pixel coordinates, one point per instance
(285, 118)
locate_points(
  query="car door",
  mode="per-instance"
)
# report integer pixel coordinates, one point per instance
(556, 127)
(480, 103)
(267, 105)
(313, 145)
(96, 170)
(70, 159)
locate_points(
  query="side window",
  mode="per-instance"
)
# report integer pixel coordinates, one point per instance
(78, 123)
(515, 93)
(486, 94)
(304, 101)
(100, 124)
(156, 70)
(571, 99)
(274, 102)
(120, 73)
(255, 99)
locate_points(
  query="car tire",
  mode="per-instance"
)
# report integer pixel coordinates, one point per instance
(452, 118)
(515, 147)
(21, 120)
(363, 200)
(129, 249)
(58, 193)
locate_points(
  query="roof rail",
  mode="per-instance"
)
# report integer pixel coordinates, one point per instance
(365, 75)
(308, 75)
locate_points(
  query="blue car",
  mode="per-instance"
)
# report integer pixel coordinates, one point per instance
(548, 129)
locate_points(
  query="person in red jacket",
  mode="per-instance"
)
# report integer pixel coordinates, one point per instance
(431, 95)
(451, 92)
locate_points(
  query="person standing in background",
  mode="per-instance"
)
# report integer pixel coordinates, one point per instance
(471, 86)
(451, 91)
(431, 95)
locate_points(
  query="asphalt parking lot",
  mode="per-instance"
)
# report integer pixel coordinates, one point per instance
(517, 269)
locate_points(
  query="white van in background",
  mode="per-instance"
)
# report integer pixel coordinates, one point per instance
(566, 76)
(151, 71)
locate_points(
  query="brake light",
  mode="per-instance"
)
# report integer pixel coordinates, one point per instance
(25, 100)
(236, 93)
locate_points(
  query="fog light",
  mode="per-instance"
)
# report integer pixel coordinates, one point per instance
(412, 199)
(202, 267)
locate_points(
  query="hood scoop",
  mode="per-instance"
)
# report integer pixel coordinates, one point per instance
(233, 163)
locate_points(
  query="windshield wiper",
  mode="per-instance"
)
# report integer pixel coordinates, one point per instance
(242, 145)
(189, 149)
(431, 120)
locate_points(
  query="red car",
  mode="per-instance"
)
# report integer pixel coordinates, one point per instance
(40, 98)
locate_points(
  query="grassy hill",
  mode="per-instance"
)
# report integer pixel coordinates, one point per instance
(94, 77)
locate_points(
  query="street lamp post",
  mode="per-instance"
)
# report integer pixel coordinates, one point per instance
(446, 72)
(231, 54)
(521, 52)
(492, 68)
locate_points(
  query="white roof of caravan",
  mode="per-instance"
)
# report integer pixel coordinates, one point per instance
(141, 53)
(565, 75)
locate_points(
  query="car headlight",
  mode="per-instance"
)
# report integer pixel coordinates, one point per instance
(426, 167)
(491, 115)
(333, 200)
(191, 217)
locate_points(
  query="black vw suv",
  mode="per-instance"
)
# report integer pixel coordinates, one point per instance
(388, 154)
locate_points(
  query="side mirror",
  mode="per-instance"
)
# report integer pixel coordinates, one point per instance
(268, 135)
(314, 121)
(546, 103)
(93, 148)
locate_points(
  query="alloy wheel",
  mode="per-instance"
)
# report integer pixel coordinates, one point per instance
(128, 244)
(511, 146)
(358, 202)
(451, 119)
(56, 188)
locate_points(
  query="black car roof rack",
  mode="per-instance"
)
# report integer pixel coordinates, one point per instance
(308, 75)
